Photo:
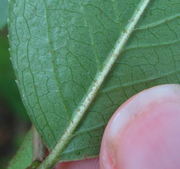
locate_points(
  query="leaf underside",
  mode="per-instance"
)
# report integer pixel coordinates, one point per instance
(58, 48)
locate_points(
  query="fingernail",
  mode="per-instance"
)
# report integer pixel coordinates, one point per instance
(132, 110)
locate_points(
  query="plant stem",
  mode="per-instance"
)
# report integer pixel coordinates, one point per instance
(53, 157)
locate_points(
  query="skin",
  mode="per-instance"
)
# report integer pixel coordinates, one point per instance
(143, 133)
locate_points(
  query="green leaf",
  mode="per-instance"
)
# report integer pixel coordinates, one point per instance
(60, 50)
(3, 13)
(24, 156)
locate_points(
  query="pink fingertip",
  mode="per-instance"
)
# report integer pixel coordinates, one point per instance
(139, 124)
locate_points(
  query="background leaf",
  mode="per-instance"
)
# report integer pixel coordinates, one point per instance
(58, 48)
(14, 121)
(24, 156)
(3, 13)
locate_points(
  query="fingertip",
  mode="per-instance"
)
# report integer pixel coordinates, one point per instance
(143, 121)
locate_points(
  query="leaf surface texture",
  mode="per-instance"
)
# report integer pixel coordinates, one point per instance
(59, 47)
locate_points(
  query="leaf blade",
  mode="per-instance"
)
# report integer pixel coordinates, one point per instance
(76, 68)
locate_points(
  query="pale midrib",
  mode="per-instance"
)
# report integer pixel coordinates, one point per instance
(51, 160)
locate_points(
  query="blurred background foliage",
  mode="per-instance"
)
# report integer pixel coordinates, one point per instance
(14, 121)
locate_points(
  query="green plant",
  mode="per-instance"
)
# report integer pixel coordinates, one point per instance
(77, 62)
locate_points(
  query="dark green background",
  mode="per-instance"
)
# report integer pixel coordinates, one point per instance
(14, 121)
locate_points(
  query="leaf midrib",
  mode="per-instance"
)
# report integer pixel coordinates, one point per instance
(51, 159)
